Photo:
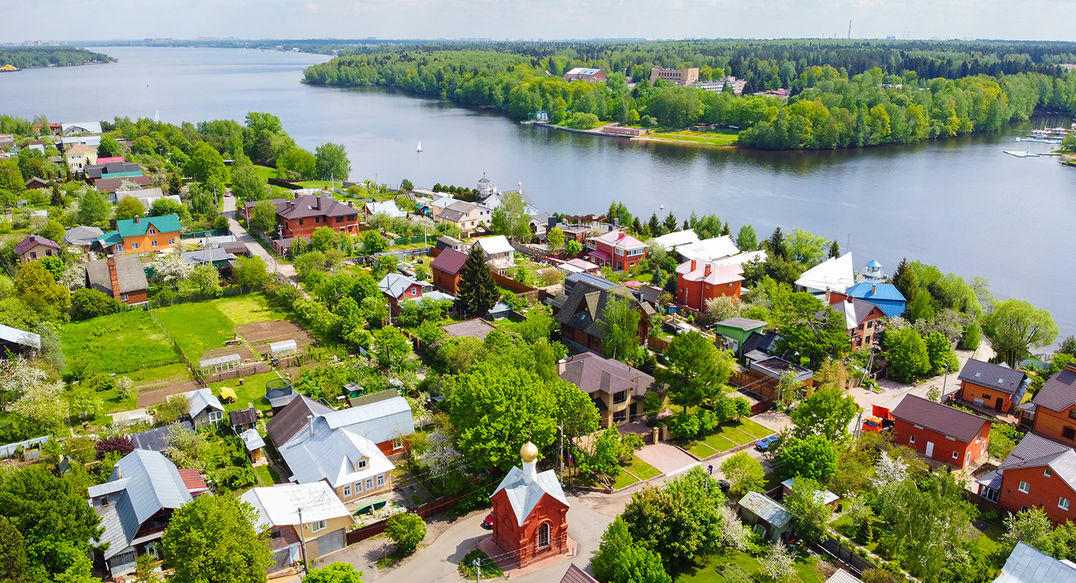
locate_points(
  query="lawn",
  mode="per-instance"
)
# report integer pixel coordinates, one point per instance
(727, 437)
(117, 343)
(712, 569)
(247, 309)
(639, 470)
(252, 391)
(264, 475)
(196, 327)
(708, 138)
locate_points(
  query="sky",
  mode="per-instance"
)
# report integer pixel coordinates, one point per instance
(69, 20)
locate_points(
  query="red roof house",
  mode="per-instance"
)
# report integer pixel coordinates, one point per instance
(940, 432)
(299, 217)
(1038, 473)
(446, 270)
(616, 249)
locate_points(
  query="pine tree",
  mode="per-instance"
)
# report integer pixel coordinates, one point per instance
(776, 243)
(670, 222)
(906, 281)
(834, 249)
(478, 292)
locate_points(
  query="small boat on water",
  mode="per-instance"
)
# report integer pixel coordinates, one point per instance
(419, 148)
(1039, 140)
(1024, 154)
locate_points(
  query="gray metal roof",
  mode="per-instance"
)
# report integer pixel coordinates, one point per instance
(379, 421)
(22, 337)
(331, 454)
(993, 376)
(211, 255)
(742, 323)
(395, 284)
(842, 576)
(151, 483)
(1029, 565)
(82, 235)
(203, 399)
(252, 439)
(768, 510)
(157, 439)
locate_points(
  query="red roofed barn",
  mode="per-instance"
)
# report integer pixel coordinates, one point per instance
(940, 432)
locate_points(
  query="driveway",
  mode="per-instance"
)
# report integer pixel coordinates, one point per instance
(668, 459)
(252, 244)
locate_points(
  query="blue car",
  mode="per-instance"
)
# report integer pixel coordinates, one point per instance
(765, 443)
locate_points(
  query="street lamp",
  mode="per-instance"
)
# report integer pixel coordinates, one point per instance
(477, 569)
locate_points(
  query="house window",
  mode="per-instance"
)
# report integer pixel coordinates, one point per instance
(151, 548)
(360, 465)
(369, 483)
(986, 395)
(620, 416)
(1072, 413)
(357, 487)
(956, 455)
(544, 533)
(153, 243)
(134, 245)
(620, 397)
(911, 439)
(316, 526)
(1068, 433)
(152, 231)
(33, 255)
(300, 221)
(1046, 472)
(124, 297)
(215, 416)
(1063, 503)
(397, 443)
(380, 480)
(171, 241)
(347, 491)
(1024, 487)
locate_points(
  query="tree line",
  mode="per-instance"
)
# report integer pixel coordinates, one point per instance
(835, 104)
(25, 58)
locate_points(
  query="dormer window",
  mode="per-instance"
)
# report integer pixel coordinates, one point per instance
(152, 231)
(360, 465)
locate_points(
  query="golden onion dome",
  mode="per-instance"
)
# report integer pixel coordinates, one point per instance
(529, 452)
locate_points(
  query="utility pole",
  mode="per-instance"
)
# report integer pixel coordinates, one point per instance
(945, 381)
(560, 452)
(302, 542)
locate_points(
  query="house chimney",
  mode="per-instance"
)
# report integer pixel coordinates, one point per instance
(828, 302)
(114, 277)
(137, 220)
(310, 424)
(874, 289)
(692, 265)
(317, 202)
(707, 272)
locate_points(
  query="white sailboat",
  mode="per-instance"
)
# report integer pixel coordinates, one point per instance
(419, 148)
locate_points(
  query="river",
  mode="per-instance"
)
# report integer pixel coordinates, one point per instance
(960, 204)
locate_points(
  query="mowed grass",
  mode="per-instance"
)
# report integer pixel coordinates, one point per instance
(708, 138)
(728, 436)
(118, 343)
(168, 373)
(712, 568)
(635, 471)
(252, 391)
(196, 327)
(247, 309)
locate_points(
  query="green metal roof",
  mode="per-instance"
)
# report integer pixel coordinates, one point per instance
(110, 238)
(137, 227)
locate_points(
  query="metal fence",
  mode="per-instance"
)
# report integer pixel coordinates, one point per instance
(206, 233)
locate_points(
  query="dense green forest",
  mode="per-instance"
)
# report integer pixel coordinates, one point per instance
(844, 93)
(27, 57)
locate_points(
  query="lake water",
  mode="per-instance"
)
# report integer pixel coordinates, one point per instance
(960, 204)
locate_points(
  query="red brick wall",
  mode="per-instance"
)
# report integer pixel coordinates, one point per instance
(619, 262)
(1042, 492)
(292, 228)
(943, 446)
(445, 282)
(694, 294)
(523, 540)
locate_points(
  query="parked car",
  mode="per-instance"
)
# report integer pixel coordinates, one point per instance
(724, 485)
(488, 522)
(765, 443)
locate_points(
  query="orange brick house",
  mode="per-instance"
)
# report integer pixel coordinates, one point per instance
(991, 386)
(1053, 410)
(530, 512)
(940, 432)
(699, 281)
(863, 320)
(616, 249)
(1039, 473)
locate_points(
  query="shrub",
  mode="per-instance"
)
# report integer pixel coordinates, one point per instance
(89, 303)
(120, 444)
(684, 426)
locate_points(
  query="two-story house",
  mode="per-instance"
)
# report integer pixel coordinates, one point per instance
(135, 505)
(348, 448)
(121, 277)
(940, 432)
(991, 386)
(580, 309)
(446, 269)
(78, 157)
(616, 249)
(1039, 473)
(616, 388)
(466, 216)
(1053, 410)
(700, 281)
(500, 255)
(293, 513)
(863, 321)
(301, 216)
(36, 247)
(142, 234)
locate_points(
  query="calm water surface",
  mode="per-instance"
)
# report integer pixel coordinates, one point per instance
(961, 204)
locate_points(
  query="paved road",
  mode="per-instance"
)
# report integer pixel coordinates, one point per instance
(252, 244)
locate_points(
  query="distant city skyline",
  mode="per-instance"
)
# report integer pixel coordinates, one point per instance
(29, 20)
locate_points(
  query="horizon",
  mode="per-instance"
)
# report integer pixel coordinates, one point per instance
(559, 20)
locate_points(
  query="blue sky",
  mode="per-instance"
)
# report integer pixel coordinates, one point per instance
(547, 19)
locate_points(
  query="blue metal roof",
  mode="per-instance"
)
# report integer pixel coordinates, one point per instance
(876, 292)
